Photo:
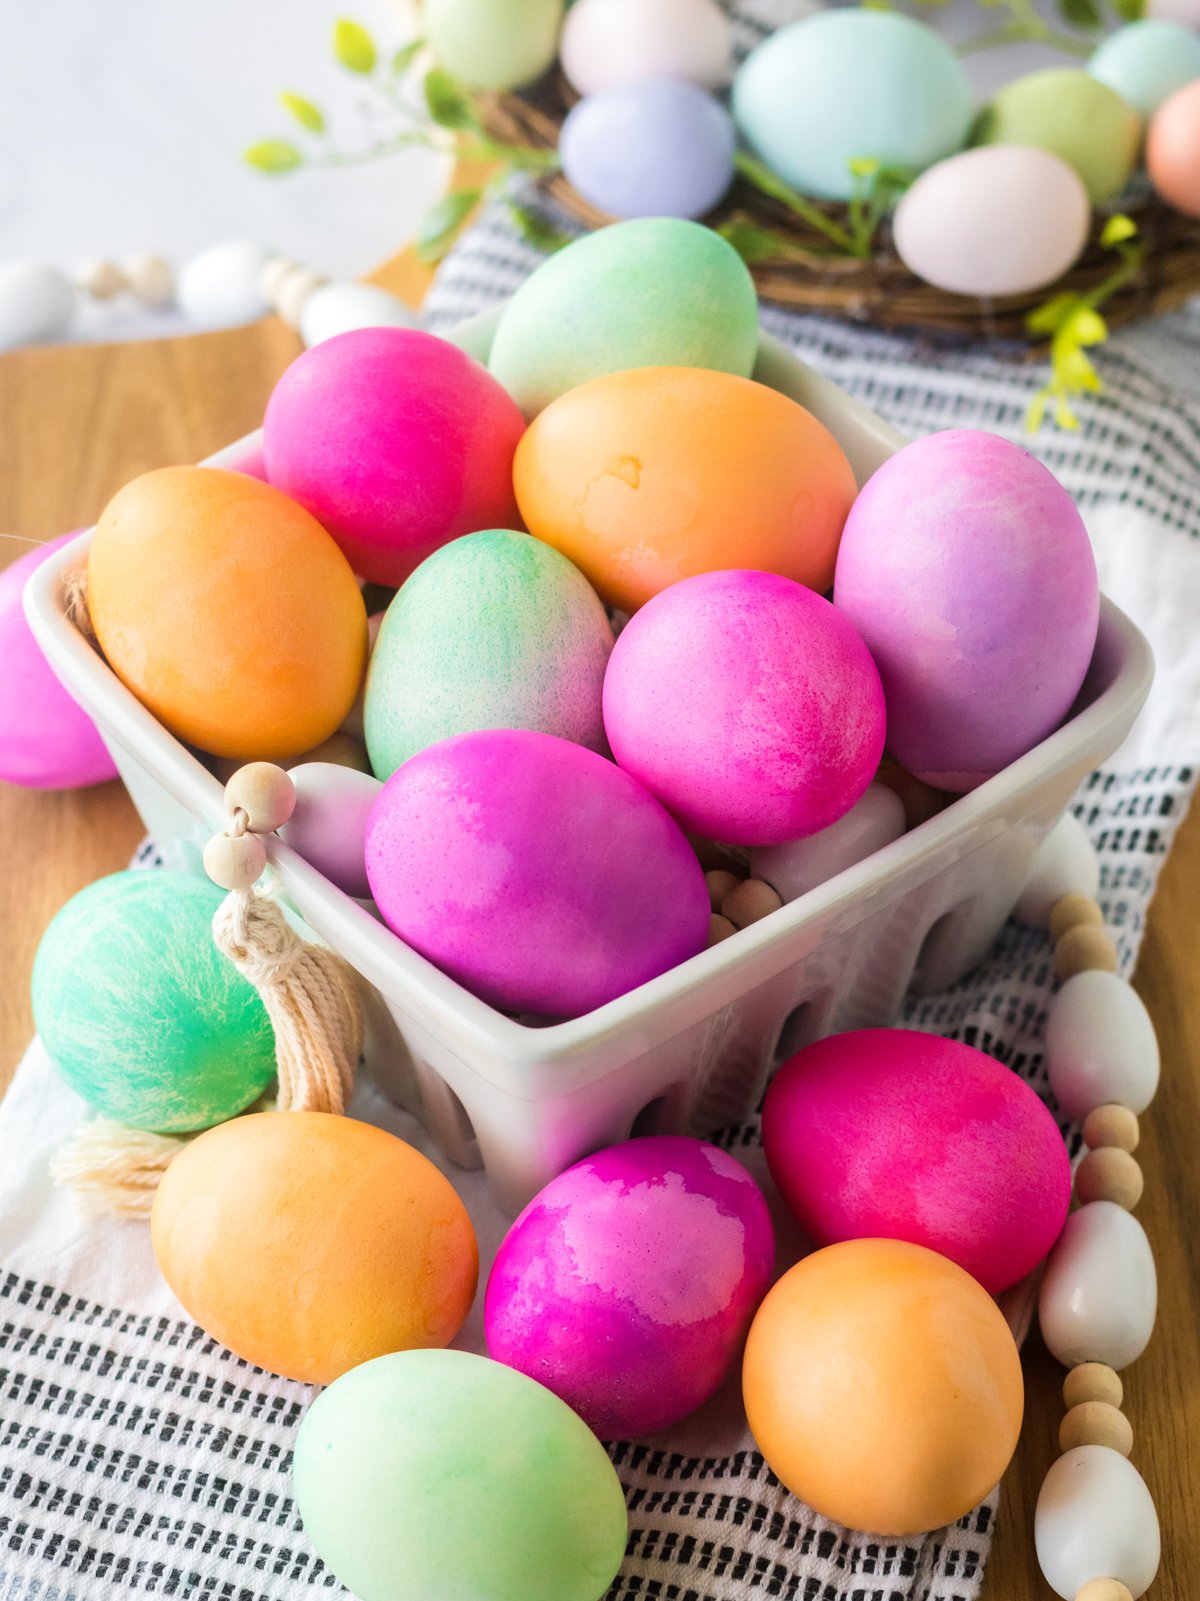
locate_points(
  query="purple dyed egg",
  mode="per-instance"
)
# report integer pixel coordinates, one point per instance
(627, 1285)
(47, 741)
(747, 704)
(533, 871)
(967, 569)
(659, 148)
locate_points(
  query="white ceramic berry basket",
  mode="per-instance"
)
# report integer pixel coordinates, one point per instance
(690, 1050)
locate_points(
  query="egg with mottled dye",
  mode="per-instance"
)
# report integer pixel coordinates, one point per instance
(627, 1285)
(1073, 115)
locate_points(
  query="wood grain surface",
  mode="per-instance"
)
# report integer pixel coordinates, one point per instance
(77, 422)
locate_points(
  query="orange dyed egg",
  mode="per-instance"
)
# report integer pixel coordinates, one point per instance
(228, 611)
(883, 1386)
(645, 477)
(308, 1243)
(1173, 150)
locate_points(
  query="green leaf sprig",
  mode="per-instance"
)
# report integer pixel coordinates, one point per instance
(876, 188)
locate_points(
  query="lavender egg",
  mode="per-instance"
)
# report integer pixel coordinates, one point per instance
(659, 148)
(966, 567)
(628, 1284)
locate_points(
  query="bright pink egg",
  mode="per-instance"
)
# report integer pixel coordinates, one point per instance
(627, 1285)
(891, 1134)
(396, 442)
(533, 871)
(46, 740)
(747, 704)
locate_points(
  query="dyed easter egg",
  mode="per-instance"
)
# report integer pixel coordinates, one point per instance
(891, 1134)
(1095, 1520)
(534, 872)
(968, 571)
(141, 1013)
(747, 704)
(439, 1473)
(228, 611)
(595, 1291)
(495, 630)
(883, 1386)
(646, 477)
(655, 148)
(340, 308)
(846, 86)
(1146, 62)
(999, 220)
(396, 442)
(608, 43)
(493, 44)
(47, 741)
(1173, 150)
(654, 291)
(37, 303)
(307, 1243)
(798, 865)
(329, 824)
(1073, 115)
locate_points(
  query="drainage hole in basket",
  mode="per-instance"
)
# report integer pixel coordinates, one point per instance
(656, 1117)
(796, 1031)
(934, 940)
(462, 1118)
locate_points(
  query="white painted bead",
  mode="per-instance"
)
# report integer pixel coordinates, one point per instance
(1065, 864)
(800, 865)
(152, 279)
(329, 823)
(101, 279)
(293, 292)
(337, 308)
(1095, 1519)
(1100, 1045)
(220, 287)
(37, 303)
(1099, 1292)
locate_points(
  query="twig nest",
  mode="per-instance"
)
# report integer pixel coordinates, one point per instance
(235, 861)
(265, 793)
(1096, 1423)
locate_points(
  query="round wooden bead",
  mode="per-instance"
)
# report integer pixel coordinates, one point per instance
(1083, 949)
(1092, 1381)
(235, 862)
(1096, 1423)
(265, 793)
(720, 883)
(101, 279)
(719, 928)
(1111, 1124)
(749, 901)
(1104, 1590)
(292, 291)
(1074, 911)
(1109, 1174)
(151, 279)
(1065, 864)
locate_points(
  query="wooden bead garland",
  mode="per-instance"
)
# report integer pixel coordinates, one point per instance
(750, 901)
(1092, 1381)
(1082, 948)
(1096, 1423)
(1109, 1174)
(1111, 1124)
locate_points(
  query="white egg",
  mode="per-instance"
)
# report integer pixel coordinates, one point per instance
(1186, 12)
(329, 823)
(606, 44)
(1100, 1045)
(1065, 864)
(37, 303)
(800, 865)
(338, 308)
(1099, 1294)
(221, 287)
(999, 220)
(1095, 1519)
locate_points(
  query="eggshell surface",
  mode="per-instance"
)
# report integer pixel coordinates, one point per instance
(1073, 115)
(1100, 1045)
(396, 441)
(747, 704)
(627, 1285)
(329, 824)
(647, 477)
(1171, 150)
(340, 308)
(439, 1473)
(966, 568)
(308, 1242)
(608, 43)
(798, 865)
(493, 44)
(1146, 62)
(883, 1386)
(533, 871)
(1098, 1297)
(1095, 1519)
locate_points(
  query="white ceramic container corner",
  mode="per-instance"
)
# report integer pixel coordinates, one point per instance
(690, 1050)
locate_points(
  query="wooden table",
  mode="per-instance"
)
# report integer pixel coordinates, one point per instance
(78, 422)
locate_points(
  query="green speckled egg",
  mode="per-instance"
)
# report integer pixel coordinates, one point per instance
(438, 1474)
(654, 292)
(1067, 111)
(495, 630)
(142, 1014)
(493, 44)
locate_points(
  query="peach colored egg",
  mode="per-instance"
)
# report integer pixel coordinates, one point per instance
(1173, 150)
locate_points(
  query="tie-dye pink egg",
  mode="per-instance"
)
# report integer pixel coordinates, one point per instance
(628, 1284)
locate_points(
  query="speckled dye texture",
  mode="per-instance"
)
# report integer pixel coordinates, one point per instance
(627, 1285)
(496, 630)
(893, 1134)
(966, 567)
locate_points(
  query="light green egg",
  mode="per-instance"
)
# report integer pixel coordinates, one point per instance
(494, 44)
(1146, 62)
(442, 1476)
(653, 292)
(1067, 111)
(142, 1014)
(495, 630)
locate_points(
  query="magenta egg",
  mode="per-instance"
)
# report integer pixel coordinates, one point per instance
(747, 704)
(627, 1285)
(966, 567)
(891, 1134)
(533, 871)
(47, 741)
(396, 442)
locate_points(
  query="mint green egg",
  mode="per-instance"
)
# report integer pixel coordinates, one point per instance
(493, 44)
(653, 292)
(442, 1476)
(1146, 62)
(142, 1014)
(1072, 114)
(495, 630)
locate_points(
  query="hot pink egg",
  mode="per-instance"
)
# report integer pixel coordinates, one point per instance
(967, 569)
(747, 704)
(396, 442)
(627, 1285)
(533, 871)
(891, 1134)
(46, 740)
